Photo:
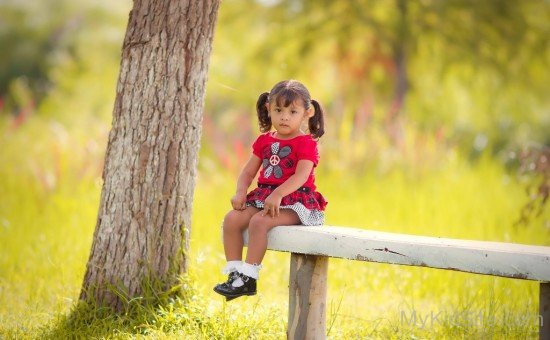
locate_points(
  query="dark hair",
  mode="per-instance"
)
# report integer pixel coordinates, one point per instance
(285, 93)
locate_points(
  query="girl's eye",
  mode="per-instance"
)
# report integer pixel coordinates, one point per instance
(294, 111)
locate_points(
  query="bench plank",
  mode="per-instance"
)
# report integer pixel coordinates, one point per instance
(318, 243)
(481, 257)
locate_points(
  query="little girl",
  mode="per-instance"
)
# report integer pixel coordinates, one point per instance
(286, 185)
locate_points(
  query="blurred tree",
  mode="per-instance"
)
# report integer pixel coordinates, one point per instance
(49, 46)
(84, 68)
(142, 232)
(26, 43)
(488, 67)
(459, 72)
(368, 56)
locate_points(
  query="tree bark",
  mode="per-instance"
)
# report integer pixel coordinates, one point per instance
(142, 231)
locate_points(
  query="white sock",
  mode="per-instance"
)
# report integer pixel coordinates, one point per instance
(237, 283)
(251, 270)
(232, 266)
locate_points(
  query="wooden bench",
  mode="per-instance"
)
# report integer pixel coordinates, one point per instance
(312, 246)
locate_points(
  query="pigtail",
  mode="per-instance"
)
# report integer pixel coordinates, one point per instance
(317, 122)
(263, 115)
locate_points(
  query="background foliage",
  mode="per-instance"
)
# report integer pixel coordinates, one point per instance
(437, 124)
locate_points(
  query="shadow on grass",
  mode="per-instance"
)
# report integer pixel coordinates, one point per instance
(86, 321)
(185, 316)
(177, 309)
(179, 320)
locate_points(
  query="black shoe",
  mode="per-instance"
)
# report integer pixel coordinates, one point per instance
(230, 292)
(230, 278)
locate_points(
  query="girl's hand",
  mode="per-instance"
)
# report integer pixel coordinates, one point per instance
(238, 202)
(271, 204)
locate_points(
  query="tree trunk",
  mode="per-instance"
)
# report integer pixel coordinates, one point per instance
(142, 232)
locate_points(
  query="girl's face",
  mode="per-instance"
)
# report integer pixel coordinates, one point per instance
(288, 120)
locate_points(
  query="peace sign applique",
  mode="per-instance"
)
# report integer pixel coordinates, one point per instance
(274, 158)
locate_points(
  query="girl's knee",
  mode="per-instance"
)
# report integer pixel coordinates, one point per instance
(233, 221)
(257, 225)
(229, 221)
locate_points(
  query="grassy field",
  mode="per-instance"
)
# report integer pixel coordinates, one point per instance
(49, 186)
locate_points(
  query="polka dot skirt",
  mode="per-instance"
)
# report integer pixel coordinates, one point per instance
(307, 217)
(309, 205)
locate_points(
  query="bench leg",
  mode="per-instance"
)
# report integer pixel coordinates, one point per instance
(544, 310)
(307, 297)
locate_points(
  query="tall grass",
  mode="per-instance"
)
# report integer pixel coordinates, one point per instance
(50, 184)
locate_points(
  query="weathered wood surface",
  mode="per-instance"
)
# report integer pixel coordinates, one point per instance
(544, 310)
(482, 257)
(307, 297)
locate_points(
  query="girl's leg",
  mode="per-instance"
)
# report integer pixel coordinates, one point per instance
(258, 226)
(234, 223)
(257, 232)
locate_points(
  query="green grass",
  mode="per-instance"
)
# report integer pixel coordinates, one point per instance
(49, 184)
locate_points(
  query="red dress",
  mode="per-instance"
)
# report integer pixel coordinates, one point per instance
(279, 161)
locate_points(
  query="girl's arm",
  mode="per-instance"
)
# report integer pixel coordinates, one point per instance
(293, 183)
(245, 179)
